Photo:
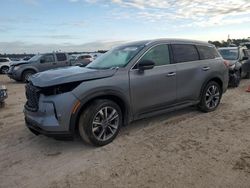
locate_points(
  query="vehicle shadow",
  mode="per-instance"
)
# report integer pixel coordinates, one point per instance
(55, 147)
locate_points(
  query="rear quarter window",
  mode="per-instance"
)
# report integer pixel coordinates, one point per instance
(184, 53)
(61, 57)
(207, 52)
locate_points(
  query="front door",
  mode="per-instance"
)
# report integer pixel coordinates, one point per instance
(47, 62)
(153, 89)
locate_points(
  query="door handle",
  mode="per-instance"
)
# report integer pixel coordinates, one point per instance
(171, 74)
(206, 68)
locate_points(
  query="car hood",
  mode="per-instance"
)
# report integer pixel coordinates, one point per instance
(16, 63)
(68, 75)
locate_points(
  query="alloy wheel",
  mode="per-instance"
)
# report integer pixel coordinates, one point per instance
(212, 97)
(105, 123)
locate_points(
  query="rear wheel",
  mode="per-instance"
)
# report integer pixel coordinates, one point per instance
(4, 69)
(100, 123)
(27, 74)
(211, 97)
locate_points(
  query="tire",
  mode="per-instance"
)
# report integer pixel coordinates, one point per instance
(210, 103)
(247, 75)
(26, 75)
(4, 69)
(94, 128)
(235, 81)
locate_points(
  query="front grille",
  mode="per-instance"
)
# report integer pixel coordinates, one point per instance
(32, 95)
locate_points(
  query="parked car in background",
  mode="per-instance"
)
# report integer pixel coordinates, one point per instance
(236, 56)
(129, 82)
(4, 65)
(246, 65)
(3, 93)
(81, 60)
(22, 70)
(247, 44)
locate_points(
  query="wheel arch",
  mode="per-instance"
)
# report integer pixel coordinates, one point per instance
(215, 79)
(29, 69)
(114, 96)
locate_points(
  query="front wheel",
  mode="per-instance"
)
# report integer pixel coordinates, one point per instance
(4, 69)
(100, 123)
(235, 79)
(247, 75)
(27, 74)
(211, 96)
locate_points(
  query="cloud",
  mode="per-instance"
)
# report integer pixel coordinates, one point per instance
(196, 12)
(24, 47)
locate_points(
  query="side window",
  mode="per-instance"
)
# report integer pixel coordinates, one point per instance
(158, 54)
(184, 53)
(48, 58)
(61, 57)
(3, 60)
(207, 52)
(247, 53)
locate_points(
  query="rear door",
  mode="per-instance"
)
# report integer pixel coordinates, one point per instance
(62, 60)
(153, 89)
(191, 71)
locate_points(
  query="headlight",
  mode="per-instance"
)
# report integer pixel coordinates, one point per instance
(232, 66)
(59, 89)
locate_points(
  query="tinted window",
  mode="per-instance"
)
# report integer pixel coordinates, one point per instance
(158, 54)
(48, 58)
(184, 53)
(207, 52)
(61, 57)
(3, 60)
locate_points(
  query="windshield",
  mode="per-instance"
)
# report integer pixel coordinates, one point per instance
(35, 58)
(117, 57)
(229, 54)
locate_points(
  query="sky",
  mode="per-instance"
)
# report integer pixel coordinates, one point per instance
(32, 26)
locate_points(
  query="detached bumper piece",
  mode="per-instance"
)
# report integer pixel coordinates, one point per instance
(35, 129)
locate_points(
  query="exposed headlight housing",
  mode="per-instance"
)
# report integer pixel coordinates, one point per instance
(59, 89)
(232, 66)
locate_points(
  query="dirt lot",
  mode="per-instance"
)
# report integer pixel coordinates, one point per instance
(182, 149)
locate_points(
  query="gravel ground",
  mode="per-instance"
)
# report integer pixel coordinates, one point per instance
(186, 148)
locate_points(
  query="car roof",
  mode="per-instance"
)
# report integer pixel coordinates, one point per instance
(155, 41)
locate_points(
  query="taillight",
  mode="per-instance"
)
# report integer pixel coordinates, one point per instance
(226, 63)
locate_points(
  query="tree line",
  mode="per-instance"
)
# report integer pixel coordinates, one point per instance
(229, 42)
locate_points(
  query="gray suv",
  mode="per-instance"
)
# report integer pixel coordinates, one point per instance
(22, 70)
(130, 82)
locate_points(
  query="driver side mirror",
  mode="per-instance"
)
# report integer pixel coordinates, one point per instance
(145, 65)
(245, 58)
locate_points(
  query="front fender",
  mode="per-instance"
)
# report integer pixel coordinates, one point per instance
(95, 94)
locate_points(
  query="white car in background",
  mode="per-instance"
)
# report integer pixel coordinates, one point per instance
(4, 65)
(81, 59)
